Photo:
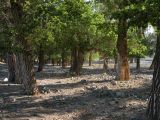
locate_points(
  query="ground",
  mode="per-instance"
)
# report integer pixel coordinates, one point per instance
(95, 95)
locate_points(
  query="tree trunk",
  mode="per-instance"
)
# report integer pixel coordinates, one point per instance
(138, 64)
(40, 59)
(132, 60)
(115, 62)
(63, 57)
(25, 62)
(153, 111)
(18, 66)
(105, 63)
(11, 61)
(153, 63)
(77, 60)
(123, 73)
(90, 58)
(154, 59)
(53, 61)
(58, 61)
(29, 81)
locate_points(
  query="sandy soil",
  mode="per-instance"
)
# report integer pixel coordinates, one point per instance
(95, 95)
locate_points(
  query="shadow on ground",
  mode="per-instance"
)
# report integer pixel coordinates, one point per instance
(96, 104)
(90, 105)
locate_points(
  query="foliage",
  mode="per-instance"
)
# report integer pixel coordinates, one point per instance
(57, 26)
(136, 42)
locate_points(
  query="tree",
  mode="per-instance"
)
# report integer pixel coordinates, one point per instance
(152, 46)
(80, 26)
(6, 39)
(127, 14)
(90, 57)
(116, 9)
(153, 111)
(11, 62)
(123, 70)
(25, 57)
(104, 40)
(137, 44)
(15, 19)
(42, 34)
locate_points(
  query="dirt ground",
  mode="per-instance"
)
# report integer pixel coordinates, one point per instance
(95, 95)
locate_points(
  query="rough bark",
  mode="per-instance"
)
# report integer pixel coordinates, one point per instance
(153, 63)
(90, 58)
(18, 77)
(154, 59)
(77, 60)
(153, 111)
(41, 60)
(138, 63)
(24, 58)
(29, 81)
(123, 70)
(11, 61)
(105, 63)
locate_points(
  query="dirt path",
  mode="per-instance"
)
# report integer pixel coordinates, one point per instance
(93, 96)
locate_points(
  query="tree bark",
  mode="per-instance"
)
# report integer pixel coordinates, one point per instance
(153, 111)
(18, 66)
(11, 61)
(154, 59)
(25, 62)
(115, 62)
(29, 81)
(41, 60)
(153, 63)
(77, 60)
(63, 57)
(90, 58)
(105, 63)
(138, 63)
(123, 73)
